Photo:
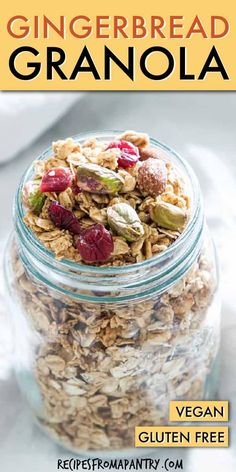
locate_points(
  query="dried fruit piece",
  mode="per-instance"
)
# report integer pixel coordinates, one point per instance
(168, 216)
(97, 179)
(149, 152)
(152, 177)
(124, 220)
(76, 189)
(63, 218)
(57, 179)
(129, 154)
(95, 244)
(32, 197)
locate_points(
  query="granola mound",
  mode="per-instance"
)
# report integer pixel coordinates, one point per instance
(106, 203)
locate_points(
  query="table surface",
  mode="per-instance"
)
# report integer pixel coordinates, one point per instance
(201, 126)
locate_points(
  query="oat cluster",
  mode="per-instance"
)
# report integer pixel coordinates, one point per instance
(100, 175)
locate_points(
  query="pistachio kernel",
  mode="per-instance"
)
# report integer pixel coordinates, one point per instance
(168, 216)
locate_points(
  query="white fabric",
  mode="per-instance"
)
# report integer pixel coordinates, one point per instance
(24, 116)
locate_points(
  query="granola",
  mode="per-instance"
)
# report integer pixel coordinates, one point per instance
(101, 368)
(91, 180)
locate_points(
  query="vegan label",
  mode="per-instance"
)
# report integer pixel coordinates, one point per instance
(207, 411)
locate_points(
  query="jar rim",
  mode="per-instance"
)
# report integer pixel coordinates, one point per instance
(67, 264)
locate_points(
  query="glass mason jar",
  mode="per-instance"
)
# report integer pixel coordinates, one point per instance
(100, 350)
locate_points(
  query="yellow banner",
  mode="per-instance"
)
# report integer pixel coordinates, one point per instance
(181, 436)
(199, 411)
(118, 45)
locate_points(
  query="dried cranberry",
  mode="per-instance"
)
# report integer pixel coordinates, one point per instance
(95, 244)
(63, 218)
(129, 153)
(57, 179)
(76, 189)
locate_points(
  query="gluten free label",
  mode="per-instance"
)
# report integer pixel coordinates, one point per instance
(181, 436)
(199, 411)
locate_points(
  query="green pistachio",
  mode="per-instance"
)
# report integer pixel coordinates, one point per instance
(124, 220)
(32, 197)
(168, 216)
(97, 179)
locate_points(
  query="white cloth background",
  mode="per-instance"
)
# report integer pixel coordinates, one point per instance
(26, 115)
(208, 142)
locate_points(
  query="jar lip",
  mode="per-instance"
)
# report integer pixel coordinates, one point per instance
(68, 264)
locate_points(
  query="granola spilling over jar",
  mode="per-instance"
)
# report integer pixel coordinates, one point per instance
(113, 274)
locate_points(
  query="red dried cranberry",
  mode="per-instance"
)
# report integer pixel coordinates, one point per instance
(95, 244)
(129, 153)
(76, 189)
(57, 179)
(63, 218)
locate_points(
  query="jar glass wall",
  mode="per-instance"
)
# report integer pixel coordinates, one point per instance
(102, 350)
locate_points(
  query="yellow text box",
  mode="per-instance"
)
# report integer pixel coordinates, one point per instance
(181, 436)
(200, 411)
(43, 45)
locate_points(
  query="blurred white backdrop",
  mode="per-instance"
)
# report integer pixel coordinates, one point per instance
(26, 115)
(200, 126)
